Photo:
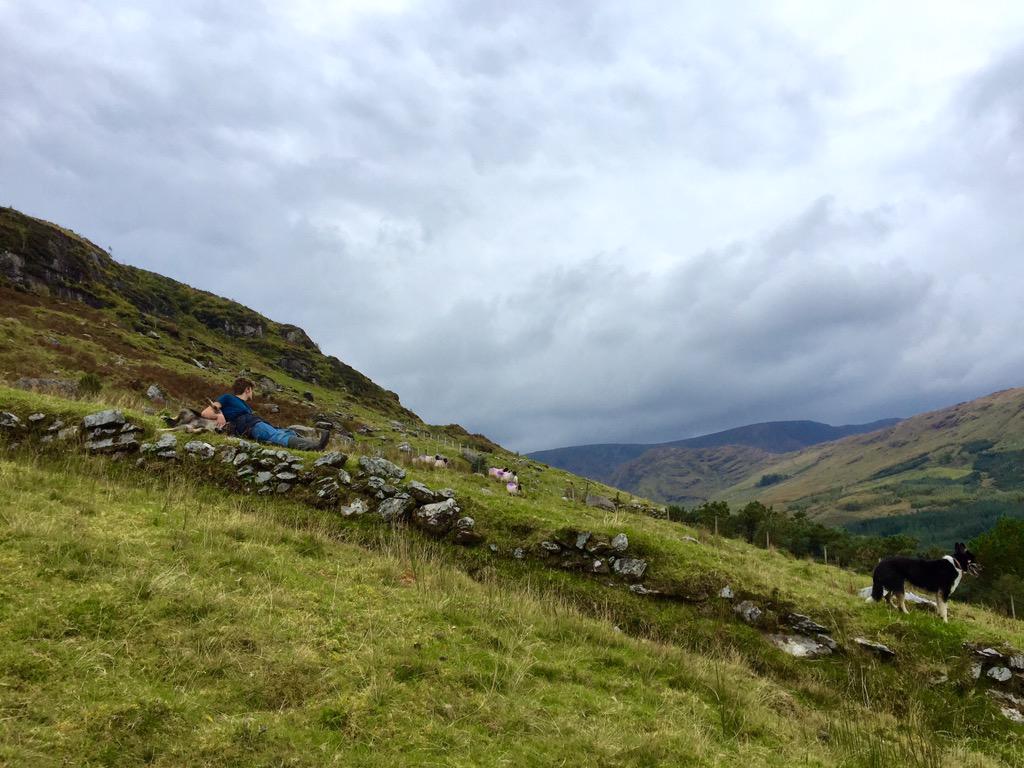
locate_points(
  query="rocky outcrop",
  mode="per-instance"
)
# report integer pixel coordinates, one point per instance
(297, 337)
(199, 449)
(297, 367)
(110, 432)
(630, 567)
(910, 597)
(357, 507)
(422, 493)
(50, 261)
(44, 259)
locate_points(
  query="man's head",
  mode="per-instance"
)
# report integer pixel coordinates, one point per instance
(243, 388)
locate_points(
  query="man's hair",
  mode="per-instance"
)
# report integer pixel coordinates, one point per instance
(241, 385)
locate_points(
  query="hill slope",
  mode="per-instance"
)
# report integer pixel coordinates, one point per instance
(69, 309)
(945, 473)
(148, 617)
(688, 475)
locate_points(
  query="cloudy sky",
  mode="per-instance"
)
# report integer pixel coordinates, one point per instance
(559, 223)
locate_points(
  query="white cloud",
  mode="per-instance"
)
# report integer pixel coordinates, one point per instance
(558, 222)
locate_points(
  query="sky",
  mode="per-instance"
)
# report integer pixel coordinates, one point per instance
(559, 223)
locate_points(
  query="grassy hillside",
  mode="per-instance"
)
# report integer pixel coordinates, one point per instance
(70, 310)
(150, 616)
(921, 475)
(688, 475)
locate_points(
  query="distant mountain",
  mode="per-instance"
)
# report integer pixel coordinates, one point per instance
(689, 476)
(617, 463)
(781, 436)
(940, 476)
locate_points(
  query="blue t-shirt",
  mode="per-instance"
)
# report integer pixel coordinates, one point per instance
(232, 407)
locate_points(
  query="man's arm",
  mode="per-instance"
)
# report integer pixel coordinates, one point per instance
(212, 411)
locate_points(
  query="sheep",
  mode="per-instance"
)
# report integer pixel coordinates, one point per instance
(437, 461)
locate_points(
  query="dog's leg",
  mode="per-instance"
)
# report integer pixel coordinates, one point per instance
(941, 607)
(902, 598)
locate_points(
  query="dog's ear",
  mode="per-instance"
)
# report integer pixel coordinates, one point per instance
(959, 547)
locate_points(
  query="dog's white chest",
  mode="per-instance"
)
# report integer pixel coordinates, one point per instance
(959, 573)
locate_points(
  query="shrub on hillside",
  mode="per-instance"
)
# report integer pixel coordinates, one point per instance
(89, 384)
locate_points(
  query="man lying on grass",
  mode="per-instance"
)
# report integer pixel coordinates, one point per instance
(235, 411)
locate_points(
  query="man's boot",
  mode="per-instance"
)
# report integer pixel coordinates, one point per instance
(309, 444)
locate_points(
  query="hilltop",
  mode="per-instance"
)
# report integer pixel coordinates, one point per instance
(168, 604)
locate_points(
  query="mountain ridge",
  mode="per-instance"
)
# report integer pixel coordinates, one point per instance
(608, 462)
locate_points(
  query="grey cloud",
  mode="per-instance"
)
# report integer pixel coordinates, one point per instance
(550, 222)
(601, 341)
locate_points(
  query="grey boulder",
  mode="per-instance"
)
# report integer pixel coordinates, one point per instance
(422, 493)
(630, 567)
(800, 646)
(9, 421)
(381, 468)
(437, 518)
(396, 507)
(883, 651)
(600, 502)
(357, 507)
(199, 449)
(103, 419)
(331, 459)
(749, 612)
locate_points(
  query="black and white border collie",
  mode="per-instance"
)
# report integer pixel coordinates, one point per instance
(939, 576)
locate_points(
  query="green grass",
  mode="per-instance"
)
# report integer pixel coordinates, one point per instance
(171, 626)
(158, 620)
